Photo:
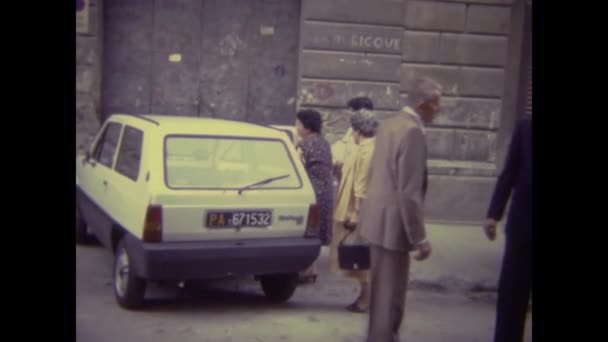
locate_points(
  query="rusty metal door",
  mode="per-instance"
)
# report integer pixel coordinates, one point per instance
(274, 54)
(234, 59)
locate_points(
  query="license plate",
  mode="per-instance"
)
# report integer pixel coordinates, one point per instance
(239, 218)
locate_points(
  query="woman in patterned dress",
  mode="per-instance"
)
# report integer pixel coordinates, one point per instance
(315, 153)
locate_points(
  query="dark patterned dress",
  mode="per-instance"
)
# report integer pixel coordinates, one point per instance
(316, 153)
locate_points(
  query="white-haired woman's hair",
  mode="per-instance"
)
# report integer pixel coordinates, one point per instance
(365, 121)
(422, 90)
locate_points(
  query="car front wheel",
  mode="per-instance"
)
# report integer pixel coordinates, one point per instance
(279, 287)
(82, 235)
(129, 289)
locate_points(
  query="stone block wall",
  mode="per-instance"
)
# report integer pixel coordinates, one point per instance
(88, 76)
(463, 45)
(350, 48)
(377, 48)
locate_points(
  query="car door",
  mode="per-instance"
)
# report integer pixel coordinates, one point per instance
(88, 181)
(85, 180)
(126, 194)
(94, 181)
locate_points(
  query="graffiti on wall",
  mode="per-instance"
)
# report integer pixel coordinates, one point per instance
(376, 42)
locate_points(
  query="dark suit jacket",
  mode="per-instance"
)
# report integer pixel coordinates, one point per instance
(516, 178)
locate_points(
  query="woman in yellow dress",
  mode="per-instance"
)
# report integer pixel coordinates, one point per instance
(351, 192)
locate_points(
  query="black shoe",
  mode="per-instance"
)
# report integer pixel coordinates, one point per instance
(307, 279)
(354, 307)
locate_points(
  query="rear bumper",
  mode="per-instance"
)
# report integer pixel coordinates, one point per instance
(209, 259)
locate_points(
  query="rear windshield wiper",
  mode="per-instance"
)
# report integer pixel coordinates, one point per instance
(265, 181)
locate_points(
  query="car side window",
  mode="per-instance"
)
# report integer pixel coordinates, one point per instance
(129, 154)
(107, 145)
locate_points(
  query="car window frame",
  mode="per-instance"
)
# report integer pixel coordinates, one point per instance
(101, 141)
(199, 136)
(118, 150)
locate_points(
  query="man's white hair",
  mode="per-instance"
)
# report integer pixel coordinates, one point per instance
(422, 90)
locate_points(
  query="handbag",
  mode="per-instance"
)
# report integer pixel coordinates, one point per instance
(354, 257)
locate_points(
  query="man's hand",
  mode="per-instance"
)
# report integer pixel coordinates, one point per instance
(424, 251)
(490, 228)
(351, 222)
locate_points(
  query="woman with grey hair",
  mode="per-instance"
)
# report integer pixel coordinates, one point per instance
(351, 192)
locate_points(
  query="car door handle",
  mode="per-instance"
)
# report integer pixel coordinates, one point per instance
(105, 183)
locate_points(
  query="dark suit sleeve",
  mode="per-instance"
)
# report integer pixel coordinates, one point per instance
(508, 177)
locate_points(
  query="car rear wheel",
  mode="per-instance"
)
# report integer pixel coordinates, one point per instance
(129, 289)
(279, 287)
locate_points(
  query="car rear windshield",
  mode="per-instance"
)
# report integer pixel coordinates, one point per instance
(207, 162)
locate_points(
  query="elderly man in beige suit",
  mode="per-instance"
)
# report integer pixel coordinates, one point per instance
(391, 217)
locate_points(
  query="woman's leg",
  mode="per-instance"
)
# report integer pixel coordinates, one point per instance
(309, 275)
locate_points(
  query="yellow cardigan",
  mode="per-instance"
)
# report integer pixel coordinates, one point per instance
(354, 179)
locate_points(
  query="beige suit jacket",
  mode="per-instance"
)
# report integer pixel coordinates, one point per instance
(392, 214)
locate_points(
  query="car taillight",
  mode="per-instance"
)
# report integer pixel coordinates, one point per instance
(312, 224)
(153, 225)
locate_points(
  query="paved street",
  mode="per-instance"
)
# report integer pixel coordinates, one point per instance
(237, 311)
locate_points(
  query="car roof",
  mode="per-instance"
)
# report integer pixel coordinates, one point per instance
(290, 130)
(287, 127)
(170, 124)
